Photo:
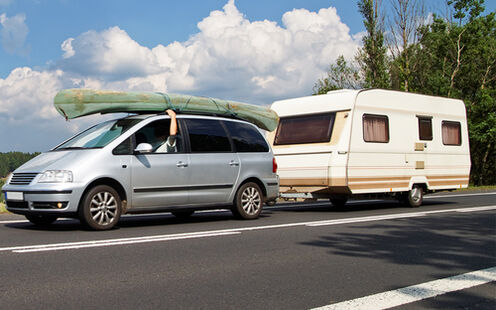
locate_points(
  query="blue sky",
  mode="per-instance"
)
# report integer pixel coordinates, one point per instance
(149, 22)
(248, 50)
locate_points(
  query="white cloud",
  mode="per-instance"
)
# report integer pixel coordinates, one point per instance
(13, 33)
(26, 94)
(108, 55)
(230, 57)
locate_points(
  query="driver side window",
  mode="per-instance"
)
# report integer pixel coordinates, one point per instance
(158, 136)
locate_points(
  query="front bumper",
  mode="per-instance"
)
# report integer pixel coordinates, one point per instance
(50, 198)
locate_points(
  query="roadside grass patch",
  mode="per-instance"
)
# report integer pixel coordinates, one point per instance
(2, 208)
(483, 188)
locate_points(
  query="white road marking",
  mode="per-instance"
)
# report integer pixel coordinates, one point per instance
(230, 231)
(459, 195)
(112, 242)
(418, 292)
(476, 209)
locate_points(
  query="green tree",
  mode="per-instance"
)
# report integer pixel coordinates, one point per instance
(372, 57)
(458, 60)
(340, 75)
(12, 160)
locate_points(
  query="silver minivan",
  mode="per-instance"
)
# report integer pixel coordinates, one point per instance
(117, 167)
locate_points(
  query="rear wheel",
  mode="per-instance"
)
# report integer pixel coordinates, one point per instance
(41, 219)
(101, 208)
(415, 196)
(248, 201)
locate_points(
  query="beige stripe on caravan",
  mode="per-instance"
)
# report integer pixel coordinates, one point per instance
(303, 182)
(376, 179)
(374, 182)
(444, 177)
(325, 168)
(443, 183)
(379, 185)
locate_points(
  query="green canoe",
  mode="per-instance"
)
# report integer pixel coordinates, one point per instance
(72, 103)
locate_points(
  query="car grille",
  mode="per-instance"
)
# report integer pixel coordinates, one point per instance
(22, 178)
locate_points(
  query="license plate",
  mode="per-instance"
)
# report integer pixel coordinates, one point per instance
(14, 196)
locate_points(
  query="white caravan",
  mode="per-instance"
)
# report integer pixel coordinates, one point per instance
(372, 143)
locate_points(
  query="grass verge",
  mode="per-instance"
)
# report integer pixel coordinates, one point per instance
(2, 208)
(484, 188)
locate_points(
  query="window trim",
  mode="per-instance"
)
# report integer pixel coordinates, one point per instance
(459, 124)
(233, 144)
(376, 116)
(188, 144)
(429, 118)
(332, 114)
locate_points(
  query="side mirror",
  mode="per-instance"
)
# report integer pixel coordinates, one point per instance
(143, 148)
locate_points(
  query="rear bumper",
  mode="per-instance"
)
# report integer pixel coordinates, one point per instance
(272, 188)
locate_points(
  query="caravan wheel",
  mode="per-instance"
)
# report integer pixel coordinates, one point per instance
(338, 202)
(415, 196)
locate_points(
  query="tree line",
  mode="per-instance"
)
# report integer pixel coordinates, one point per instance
(12, 160)
(451, 56)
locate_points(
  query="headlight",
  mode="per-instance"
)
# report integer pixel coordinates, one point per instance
(56, 176)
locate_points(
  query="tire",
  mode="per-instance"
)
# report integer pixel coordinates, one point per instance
(41, 220)
(338, 202)
(248, 202)
(101, 208)
(415, 196)
(183, 214)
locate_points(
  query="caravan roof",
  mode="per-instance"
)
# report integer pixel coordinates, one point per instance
(347, 99)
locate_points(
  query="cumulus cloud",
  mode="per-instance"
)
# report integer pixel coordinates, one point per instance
(13, 33)
(108, 55)
(230, 57)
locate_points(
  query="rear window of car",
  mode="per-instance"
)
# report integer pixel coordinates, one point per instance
(246, 138)
(207, 136)
(305, 129)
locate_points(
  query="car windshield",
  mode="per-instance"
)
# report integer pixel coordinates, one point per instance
(99, 135)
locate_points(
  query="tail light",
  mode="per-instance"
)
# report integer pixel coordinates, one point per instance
(274, 165)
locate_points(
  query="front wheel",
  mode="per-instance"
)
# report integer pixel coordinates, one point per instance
(101, 208)
(248, 201)
(41, 220)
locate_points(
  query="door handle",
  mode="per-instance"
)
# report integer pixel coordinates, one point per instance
(233, 163)
(181, 165)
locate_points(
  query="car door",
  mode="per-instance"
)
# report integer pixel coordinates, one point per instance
(159, 178)
(214, 167)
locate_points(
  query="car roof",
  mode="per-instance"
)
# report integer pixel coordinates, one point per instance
(184, 115)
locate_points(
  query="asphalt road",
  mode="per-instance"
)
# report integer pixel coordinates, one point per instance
(295, 256)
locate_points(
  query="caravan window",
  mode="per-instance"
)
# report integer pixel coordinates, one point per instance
(375, 128)
(452, 134)
(425, 127)
(305, 129)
